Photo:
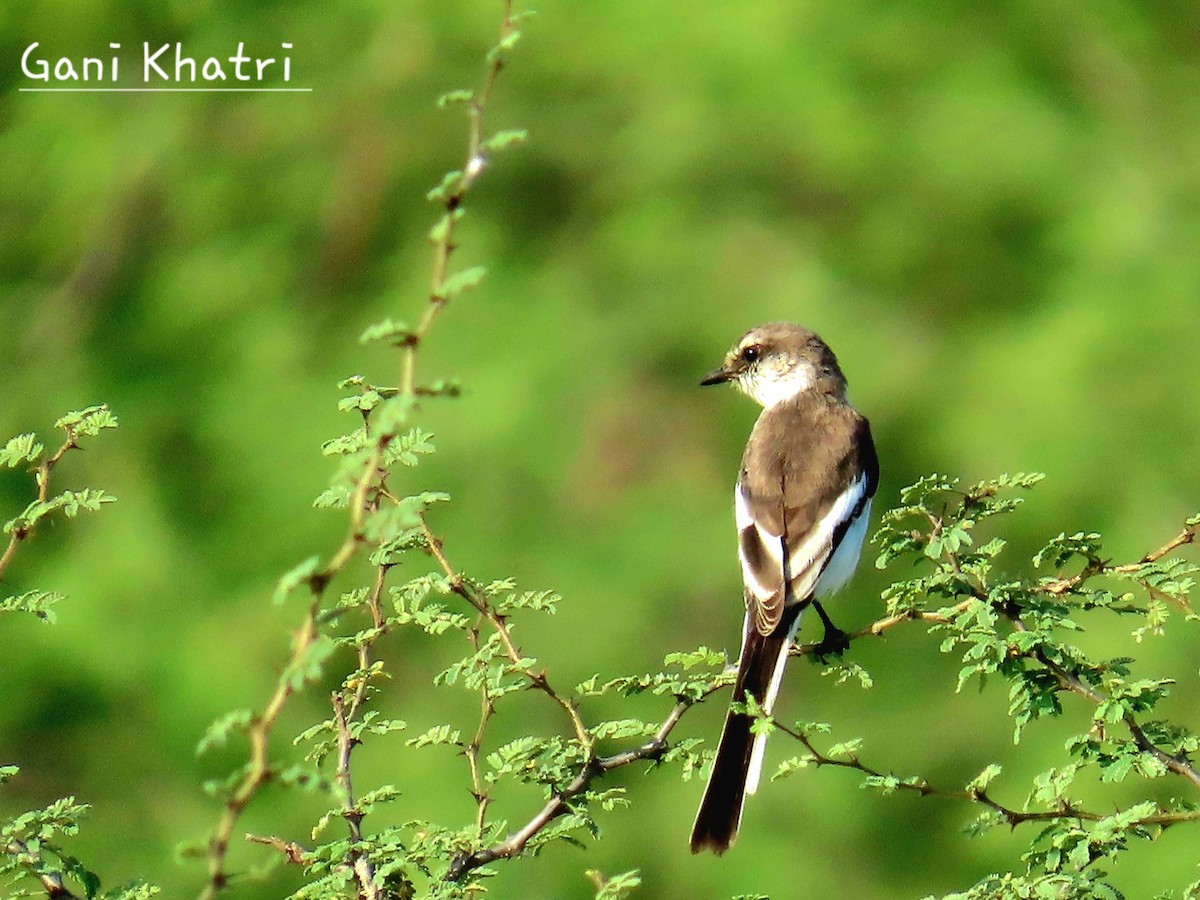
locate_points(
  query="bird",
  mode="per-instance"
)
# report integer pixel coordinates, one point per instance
(802, 503)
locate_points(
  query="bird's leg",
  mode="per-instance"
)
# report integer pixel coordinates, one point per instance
(834, 642)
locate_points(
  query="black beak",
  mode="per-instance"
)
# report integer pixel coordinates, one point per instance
(717, 376)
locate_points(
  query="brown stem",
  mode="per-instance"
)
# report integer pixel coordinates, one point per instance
(41, 476)
(559, 804)
(1013, 817)
(472, 167)
(459, 585)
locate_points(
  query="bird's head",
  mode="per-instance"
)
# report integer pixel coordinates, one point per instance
(778, 361)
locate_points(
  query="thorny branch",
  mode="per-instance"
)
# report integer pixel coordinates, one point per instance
(41, 476)
(537, 677)
(52, 882)
(369, 490)
(560, 803)
(653, 749)
(443, 236)
(1013, 817)
(1178, 764)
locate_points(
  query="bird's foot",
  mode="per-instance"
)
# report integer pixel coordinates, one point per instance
(834, 642)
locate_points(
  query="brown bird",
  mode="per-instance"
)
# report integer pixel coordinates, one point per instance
(802, 502)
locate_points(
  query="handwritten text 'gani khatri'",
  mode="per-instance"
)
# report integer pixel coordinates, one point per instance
(165, 65)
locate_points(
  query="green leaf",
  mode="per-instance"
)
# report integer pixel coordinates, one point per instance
(363, 402)
(616, 888)
(311, 664)
(981, 781)
(70, 503)
(620, 729)
(502, 140)
(847, 749)
(37, 603)
(1062, 548)
(462, 281)
(702, 656)
(437, 735)
(90, 421)
(844, 672)
(886, 784)
(505, 45)
(333, 497)
(295, 577)
(443, 227)
(442, 192)
(218, 733)
(89, 500)
(73, 868)
(407, 449)
(791, 766)
(389, 331)
(346, 444)
(462, 95)
(24, 448)
(539, 601)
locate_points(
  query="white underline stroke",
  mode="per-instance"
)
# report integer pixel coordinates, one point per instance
(153, 90)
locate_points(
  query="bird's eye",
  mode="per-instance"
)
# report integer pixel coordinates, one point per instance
(751, 354)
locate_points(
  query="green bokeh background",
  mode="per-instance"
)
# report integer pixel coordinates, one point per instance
(991, 213)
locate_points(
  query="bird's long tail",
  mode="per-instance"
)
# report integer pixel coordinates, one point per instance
(739, 759)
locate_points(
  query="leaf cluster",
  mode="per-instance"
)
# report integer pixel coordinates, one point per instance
(34, 860)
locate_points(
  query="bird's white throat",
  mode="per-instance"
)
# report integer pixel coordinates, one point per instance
(770, 386)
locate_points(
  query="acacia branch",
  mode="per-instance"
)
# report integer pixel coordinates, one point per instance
(560, 802)
(499, 622)
(364, 871)
(291, 851)
(487, 708)
(365, 498)
(41, 476)
(443, 241)
(1178, 764)
(1060, 586)
(1013, 817)
(52, 882)
(258, 769)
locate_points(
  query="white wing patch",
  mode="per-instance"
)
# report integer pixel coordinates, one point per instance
(807, 568)
(845, 557)
(806, 563)
(770, 542)
(813, 579)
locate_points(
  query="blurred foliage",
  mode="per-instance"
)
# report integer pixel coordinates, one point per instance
(990, 214)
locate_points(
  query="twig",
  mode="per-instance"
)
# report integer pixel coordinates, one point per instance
(487, 709)
(1179, 764)
(1013, 817)
(653, 749)
(559, 804)
(291, 851)
(465, 589)
(259, 771)
(369, 889)
(52, 882)
(473, 166)
(41, 476)
(1061, 586)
